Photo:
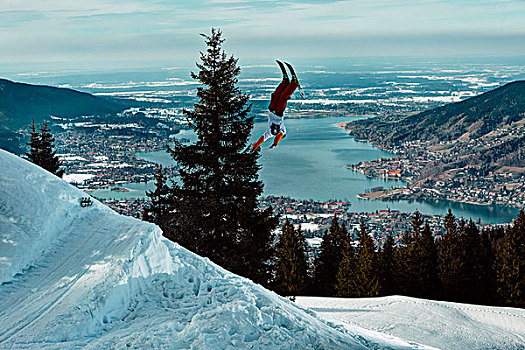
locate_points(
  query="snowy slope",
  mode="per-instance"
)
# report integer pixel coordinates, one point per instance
(443, 325)
(87, 277)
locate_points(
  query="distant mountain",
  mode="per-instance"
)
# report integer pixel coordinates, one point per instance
(20, 103)
(486, 132)
(465, 120)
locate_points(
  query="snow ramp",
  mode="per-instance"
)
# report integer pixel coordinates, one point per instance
(86, 277)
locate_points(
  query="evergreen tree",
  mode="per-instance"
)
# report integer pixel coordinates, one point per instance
(340, 239)
(328, 260)
(471, 279)
(387, 267)
(488, 291)
(416, 264)
(408, 269)
(417, 224)
(450, 223)
(49, 160)
(344, 279)
(511, 264)
(34, 145)
(42, 151)
(159, 207)
(450, 261)
(426, 265)
(405, 264)
(256, 245)
(215, 207)
(365, 281)
(291, 271)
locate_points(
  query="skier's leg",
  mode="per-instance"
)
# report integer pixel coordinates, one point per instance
(258, 143)
(261, 139)
(277, 139)
(275, 95)
(280, 135)
(285, 96)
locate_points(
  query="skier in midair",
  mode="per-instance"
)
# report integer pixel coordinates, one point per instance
(278, 101)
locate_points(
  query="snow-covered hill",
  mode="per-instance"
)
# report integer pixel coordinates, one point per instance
(443, 325)
(87, 277)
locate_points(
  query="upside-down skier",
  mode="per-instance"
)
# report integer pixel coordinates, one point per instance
(278, 102)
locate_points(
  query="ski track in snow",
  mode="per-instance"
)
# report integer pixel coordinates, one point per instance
(73, 277)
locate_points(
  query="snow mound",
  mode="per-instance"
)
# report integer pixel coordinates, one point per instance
(75, 276)
(444, 325)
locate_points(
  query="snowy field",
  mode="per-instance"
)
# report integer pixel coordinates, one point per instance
(442, 325)
(74, 277)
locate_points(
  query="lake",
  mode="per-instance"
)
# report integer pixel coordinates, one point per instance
(310, 164)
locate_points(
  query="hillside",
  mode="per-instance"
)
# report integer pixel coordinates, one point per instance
(20, 103)
(471, 151)
(466, 120)
(87, 277)
(472, 118)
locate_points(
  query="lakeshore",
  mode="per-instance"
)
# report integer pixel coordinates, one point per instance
(506, 186)
(310, 164)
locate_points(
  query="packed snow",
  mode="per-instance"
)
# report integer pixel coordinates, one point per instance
(307, 226)
(87, 277)
(77, 178)
(443, 325)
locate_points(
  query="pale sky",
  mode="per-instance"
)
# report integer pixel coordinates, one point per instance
(123, 32)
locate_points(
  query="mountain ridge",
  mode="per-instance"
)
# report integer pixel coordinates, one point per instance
(470, 151)
(470, 118)
(484, 131)
(20, 103)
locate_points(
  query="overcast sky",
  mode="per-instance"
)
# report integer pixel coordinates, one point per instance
(150, 32)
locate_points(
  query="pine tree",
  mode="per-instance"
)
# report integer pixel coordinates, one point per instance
(49, 160)
(488, 291)
(417, 224)
(404, 267)
(472, 282)
(450, 223)
(511, 264)
(408, 268)
(34, 145)
(450, 260)
(426, 265)
(340, 238)
(365, 281)
(255, 255)
(328, 260)
(41, 150)
(291, 271)
(344, 279)
(159, 207)
(387, 267)
(215, 207)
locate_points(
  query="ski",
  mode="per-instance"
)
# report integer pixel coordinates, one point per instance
(294, 77)
(285, 74)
